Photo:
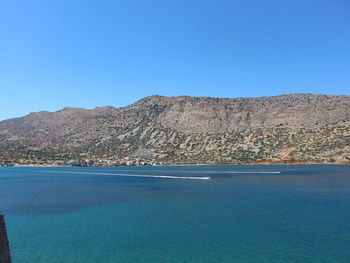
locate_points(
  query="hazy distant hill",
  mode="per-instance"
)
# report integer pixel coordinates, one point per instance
(297, 127)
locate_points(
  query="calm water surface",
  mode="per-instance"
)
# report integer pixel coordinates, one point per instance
(241, 214)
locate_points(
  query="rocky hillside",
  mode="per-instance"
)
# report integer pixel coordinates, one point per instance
(287, 128)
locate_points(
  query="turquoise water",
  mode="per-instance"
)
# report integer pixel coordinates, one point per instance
(241, 214)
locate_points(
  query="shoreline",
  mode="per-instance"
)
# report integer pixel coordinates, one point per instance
(218, 164)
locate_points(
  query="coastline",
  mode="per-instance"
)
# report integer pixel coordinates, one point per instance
(184, 164)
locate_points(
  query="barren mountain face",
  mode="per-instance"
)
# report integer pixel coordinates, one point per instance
(181, 129)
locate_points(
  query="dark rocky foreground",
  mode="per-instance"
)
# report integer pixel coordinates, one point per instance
(4, 243)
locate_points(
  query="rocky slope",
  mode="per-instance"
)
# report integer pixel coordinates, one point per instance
(286, 128)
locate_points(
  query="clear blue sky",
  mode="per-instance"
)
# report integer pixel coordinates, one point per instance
(93, 53)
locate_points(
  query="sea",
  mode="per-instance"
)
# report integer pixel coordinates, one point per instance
(178, 214)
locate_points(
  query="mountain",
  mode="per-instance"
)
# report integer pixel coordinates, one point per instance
(286, 128)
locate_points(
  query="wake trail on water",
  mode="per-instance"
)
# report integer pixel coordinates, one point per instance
(252, 172)
(211, 172)
(135, 175)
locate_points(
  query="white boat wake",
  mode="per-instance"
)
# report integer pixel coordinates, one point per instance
(238, 172)
(134, 175)
(204, 172)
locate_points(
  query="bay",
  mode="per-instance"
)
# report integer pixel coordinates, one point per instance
(256, 213)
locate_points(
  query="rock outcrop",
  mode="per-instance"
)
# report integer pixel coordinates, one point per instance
(4, 243)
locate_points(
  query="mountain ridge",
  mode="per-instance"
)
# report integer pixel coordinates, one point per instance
(167, 123)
